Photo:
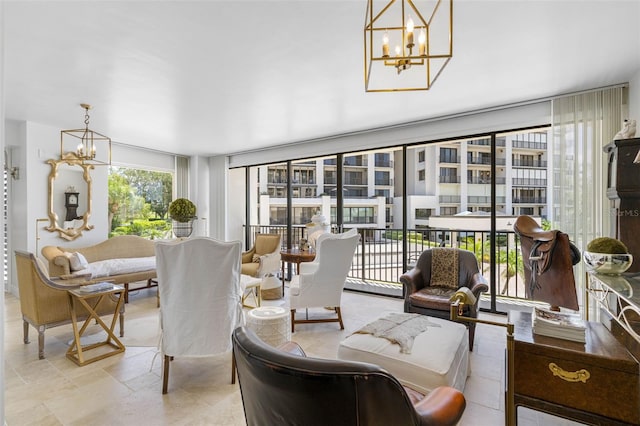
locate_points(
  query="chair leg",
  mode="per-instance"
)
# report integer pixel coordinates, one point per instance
(165, 374)
(25, 331)
(339, 317)
(233, 368)
(472, 335)
(293, 320)
(41, 342)
(126, 292)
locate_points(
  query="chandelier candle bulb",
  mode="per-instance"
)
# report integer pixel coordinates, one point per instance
(410, 27)
(422, 39)
(385, 45)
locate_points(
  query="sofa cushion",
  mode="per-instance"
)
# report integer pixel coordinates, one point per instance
(77, 261)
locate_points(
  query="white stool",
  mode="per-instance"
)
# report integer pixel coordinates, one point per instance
(271, 324)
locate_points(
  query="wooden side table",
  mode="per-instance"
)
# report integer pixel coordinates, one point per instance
(296, 256)
(90, 301)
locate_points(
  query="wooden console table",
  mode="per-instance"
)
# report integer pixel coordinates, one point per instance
(597, 382)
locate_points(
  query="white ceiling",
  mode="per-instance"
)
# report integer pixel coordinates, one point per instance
(218, 77)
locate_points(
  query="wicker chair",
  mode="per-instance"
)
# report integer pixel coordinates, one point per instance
(44, 302)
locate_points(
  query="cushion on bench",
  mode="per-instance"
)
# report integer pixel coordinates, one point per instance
(439, 356)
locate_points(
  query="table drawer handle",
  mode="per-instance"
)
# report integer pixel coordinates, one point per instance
(570, 376)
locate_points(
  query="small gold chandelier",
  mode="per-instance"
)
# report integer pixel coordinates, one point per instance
(398, 22)
(86, 146)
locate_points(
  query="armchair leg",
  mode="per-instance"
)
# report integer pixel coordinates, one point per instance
(41, 342)
(233, 368)
(165, 374)
(339, 317)
(25, 331)
(293, 320)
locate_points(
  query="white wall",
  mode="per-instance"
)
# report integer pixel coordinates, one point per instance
(32, 145)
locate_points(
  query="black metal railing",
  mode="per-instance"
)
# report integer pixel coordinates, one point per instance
(379, 256)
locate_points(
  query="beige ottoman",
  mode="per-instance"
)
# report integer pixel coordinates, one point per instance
(439, 357)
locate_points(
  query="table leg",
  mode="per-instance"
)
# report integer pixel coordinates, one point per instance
(283, 278)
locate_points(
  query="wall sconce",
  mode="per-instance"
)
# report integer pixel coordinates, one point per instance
(14, 171)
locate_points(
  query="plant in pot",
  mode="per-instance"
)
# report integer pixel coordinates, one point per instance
(606, 255)
(182, 212)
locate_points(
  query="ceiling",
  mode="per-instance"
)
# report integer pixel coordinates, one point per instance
(220, 77)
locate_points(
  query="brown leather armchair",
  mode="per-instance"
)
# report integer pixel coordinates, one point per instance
(283, 386)
(423, 297)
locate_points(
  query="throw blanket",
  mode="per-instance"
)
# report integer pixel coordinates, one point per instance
(444, 267)
(106, 268)
(399, 328)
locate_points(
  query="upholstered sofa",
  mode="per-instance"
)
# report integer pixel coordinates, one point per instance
(124, 259)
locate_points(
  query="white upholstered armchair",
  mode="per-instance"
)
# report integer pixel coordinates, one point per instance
(321, 282)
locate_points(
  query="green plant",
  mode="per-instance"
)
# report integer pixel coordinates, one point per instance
(182, 210)
(607, 245)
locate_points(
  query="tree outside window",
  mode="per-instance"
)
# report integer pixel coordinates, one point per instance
(139, 201)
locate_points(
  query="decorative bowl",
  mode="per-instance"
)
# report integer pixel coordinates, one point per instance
(605, 263)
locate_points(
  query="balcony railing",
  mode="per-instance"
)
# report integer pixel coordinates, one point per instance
(530, 163)
(530, 145)
(449, 179)
(529, 182)
(449, 159)
(530, 200)
(379, 257)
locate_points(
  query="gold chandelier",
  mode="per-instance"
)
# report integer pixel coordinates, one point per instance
(85, 145)
(422, 35)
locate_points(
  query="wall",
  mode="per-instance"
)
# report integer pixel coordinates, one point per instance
(32, 145)
(634, 99)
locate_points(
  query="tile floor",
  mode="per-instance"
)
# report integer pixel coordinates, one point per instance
(126, 389)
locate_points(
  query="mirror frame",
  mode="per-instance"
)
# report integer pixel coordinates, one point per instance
(70, 234)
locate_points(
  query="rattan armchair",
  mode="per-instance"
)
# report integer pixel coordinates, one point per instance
(44, 302)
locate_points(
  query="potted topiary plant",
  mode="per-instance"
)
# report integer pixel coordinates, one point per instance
(182, 212)
(606, 255)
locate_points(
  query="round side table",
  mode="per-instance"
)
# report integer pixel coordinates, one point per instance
(271, 324)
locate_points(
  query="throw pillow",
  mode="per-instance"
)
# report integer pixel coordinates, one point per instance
(77, 261)
(256, 258)
(444, 267)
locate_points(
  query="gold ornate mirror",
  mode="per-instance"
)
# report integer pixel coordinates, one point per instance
(69, 196)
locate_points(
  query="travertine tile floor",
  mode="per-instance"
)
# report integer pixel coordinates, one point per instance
(126, 389)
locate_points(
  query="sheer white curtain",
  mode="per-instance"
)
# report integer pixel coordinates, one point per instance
(582, 125)
(182, 177)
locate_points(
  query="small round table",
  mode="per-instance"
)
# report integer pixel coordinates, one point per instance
(297, 256)
(271, 324)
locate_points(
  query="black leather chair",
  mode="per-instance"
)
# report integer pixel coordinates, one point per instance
(422, 297)
(281, 386)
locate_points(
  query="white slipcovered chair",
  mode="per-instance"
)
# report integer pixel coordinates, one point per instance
(320, 283)
(199, 284)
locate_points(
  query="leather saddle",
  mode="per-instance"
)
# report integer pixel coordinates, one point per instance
(548, 257)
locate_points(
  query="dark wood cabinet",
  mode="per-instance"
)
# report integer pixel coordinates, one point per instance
(623, 189)
(596, 382)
